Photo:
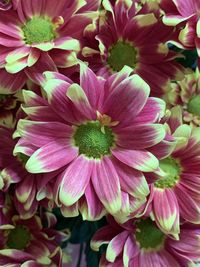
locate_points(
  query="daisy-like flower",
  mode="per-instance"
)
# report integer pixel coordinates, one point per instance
(186, 15)
(176, 195)
(186, 93)
(28, 243)
(99, 132)
(141, 243)
(29, 188)
(123, 36)
(37, 36)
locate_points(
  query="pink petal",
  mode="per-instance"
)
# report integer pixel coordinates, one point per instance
(138, 159)
(127, 99)
(51, 156)
(75, 180)
(106, 184)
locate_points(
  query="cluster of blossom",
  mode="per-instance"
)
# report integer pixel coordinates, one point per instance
(98, 117)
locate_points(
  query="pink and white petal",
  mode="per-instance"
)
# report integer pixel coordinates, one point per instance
(166, 210)
(67, 43)
(92, 86)
(141, 160)
(76, 94)
(72, 187)
(116, 245)
(16, 255)
(164, 148)
(140, 137)
(10, 83)
(51, 131)
(33, 56)
(70, 211)
(152, 112)
(127, 99)
(131, 250)
(132, 181)
(44, 63)
(45, 47)
(90, 206)
(189, 210)
(8, 41)
(103, 236)
(18, 54)
(17, 66)
(107, 185)
(52, 156)
(23, 189)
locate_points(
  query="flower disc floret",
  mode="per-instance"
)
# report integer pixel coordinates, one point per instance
(148, 235)
(172, 170)
(18, 238)
(122, 54)
(92, 140)
(38, 30)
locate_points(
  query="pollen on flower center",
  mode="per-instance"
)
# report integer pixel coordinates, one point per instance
(148, 235)
(194, 105)
(172, 170)
(122, 54)
(18, 238)
(92, 141)
(38, 30)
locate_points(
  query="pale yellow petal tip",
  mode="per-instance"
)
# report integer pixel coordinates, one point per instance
(146, 20)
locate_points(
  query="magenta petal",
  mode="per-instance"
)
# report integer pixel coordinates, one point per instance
(51, 156)
(140, 137)
(127, 99)
(106, 184)
(138, 159)
(75, 180)
(166, 210)
(90, 206)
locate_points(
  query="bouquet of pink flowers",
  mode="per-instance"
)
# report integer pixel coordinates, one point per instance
(99, 133)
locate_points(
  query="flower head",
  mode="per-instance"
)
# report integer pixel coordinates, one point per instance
(98, 133)
(175, 195)
(124, 35)
(142, 243)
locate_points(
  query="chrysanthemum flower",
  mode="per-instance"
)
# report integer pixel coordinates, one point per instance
(175, 197)
(186, 93)
(141, 243)
(123, 36)
(99, 132)
(28, 243)
(186, 15)
(29, 188)
(39, 35)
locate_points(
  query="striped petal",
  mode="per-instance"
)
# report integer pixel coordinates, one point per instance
(51, 156)
(75, 180)
(166, 210)
(106, 184)
(138, 159)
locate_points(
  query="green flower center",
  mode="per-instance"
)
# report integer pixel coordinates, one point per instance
(92, 141)
(3, 97)
(38, 30)
(148, 235)
(194, 105)
(18, 238)
(122, 54)
(172, 170)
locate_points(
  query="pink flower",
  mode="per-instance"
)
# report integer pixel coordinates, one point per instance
(39, 35)
(186, 15)
(99, 132)
(140, 243)
(27, 242)
(125, 36)
(175, 196)
(29, 189)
